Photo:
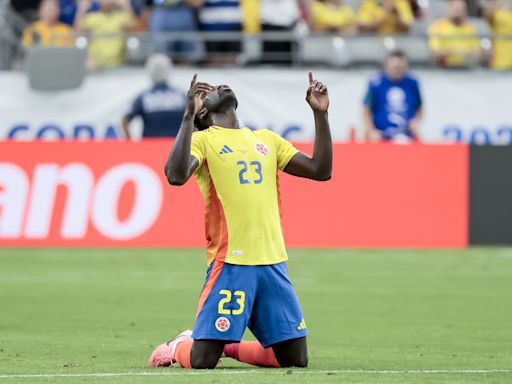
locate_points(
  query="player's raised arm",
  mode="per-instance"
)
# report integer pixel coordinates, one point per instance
(318, 167)
(181, 165)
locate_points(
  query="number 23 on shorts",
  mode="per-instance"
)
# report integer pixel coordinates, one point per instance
(227, 296)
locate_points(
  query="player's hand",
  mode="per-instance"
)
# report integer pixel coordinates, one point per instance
(317, 96)
(196, 95)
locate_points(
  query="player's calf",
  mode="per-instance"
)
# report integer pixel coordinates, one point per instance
(292, 353)
(206, 354)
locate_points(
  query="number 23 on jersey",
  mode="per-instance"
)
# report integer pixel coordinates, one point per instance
(247, 170)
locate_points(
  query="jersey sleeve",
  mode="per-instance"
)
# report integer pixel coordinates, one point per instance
(369, 98)
(405, 12)
(349, 16)
(368, 11)
(284, 151)
(418, 95)
(198, 147)
(435, 42)
(89, 21)
(136, 109)
(27, 37)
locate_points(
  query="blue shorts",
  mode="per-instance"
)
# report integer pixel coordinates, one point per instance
(259, 297)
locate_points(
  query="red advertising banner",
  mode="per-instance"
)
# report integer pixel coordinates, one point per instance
(115, 194)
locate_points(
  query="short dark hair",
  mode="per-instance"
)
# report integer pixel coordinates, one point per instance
(398, 53)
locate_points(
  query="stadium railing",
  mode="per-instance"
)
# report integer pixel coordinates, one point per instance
(335, 50)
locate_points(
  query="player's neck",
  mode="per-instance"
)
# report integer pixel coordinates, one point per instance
(227, 119)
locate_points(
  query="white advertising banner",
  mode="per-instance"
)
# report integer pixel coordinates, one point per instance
(459, 106)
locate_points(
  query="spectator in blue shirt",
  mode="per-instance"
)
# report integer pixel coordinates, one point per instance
(175, 16)
(68, 10)
(161, 107)
(393, 103)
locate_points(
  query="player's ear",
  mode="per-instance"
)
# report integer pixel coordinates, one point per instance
(202, 113)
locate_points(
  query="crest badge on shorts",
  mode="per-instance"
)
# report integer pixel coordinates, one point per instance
(262, 149)
(222, 324)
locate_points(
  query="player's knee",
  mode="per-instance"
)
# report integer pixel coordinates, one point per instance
(302, 362)
(299, 361)
(203, 362)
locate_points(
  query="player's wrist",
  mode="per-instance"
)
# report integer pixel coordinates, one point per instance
(189, 115)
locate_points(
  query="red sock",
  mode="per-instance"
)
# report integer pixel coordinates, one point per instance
(253, 353)
(182, 355)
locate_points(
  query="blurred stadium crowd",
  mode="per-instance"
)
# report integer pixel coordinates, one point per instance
(452, 33)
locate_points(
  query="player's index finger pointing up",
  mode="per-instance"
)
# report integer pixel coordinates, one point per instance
(194, 79)
(310, 74)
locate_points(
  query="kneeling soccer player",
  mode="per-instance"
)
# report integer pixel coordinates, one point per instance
(247, 283)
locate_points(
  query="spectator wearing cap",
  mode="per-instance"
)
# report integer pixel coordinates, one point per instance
(453, 40)
(499, 15)
(161, 107)
(393, 105)
(48, 30)
(106, 26)
(385, 16)
(221, 16)
(332, 16)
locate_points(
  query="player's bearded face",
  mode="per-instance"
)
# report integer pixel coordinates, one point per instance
(220, 99)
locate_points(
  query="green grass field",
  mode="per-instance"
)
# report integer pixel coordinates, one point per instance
(72, 316)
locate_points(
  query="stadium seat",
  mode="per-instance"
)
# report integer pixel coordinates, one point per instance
(138, 48)
(324, 50)
(437, 9)
(56, 69)
(482, 27)
(354, 4)
(419, 28)
(366, 50)
(343, 51)
(251, 50)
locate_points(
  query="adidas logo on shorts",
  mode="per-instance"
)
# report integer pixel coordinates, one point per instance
(302, 325)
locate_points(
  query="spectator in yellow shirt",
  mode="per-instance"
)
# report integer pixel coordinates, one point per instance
(332, 16)
(48, 30)
(106, 26)
(499, 14)
(385, 16)
(453, 40)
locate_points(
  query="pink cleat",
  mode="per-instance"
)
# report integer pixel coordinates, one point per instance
(163, 355)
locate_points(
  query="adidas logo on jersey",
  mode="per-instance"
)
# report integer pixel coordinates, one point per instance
(225, 149)
(302, 325)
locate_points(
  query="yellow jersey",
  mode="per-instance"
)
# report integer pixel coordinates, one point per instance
(372, 10)
(57, 35)
(326, 18)
(445, 35)
(502, 44)
(237, 175)
(108, 51)
(251, 16)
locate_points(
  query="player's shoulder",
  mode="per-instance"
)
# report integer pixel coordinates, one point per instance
(376, 79)
(411, 78)
(201, 135)
(266, 134)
